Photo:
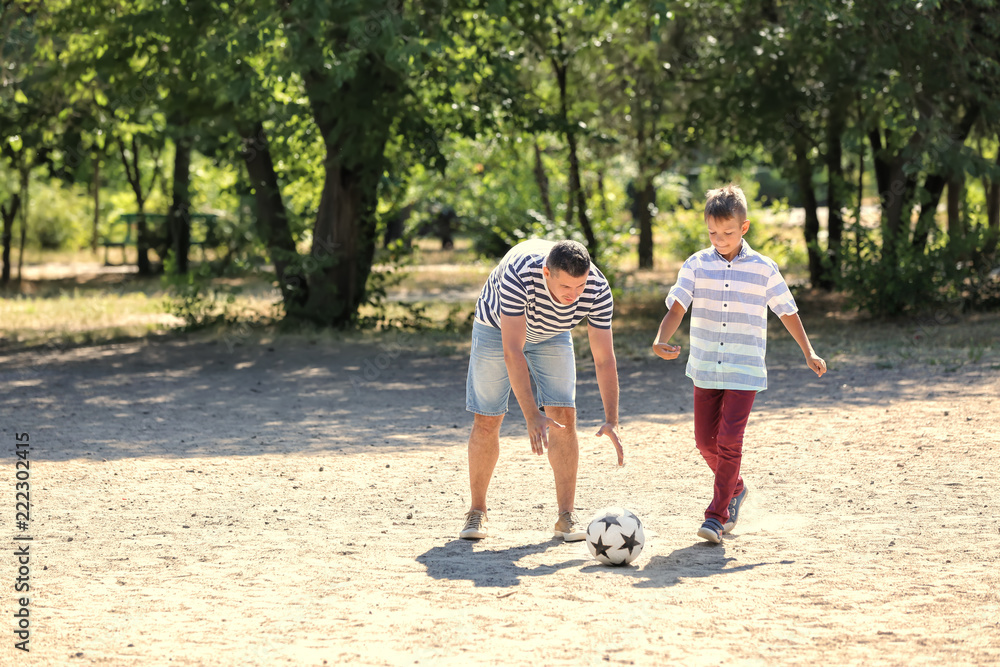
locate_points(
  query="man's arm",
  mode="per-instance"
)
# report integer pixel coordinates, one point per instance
(514, 332)
(668, 327)
(794, 325)
(603, 348)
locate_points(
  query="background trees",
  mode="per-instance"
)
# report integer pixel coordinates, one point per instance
(329, 121)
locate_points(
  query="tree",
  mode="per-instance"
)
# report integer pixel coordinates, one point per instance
(551, 36)
(792, 66)
(21, 120)
(644, 77)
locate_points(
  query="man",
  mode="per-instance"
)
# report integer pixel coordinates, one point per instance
(531, 300)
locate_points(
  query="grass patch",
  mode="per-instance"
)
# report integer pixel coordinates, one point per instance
(431, 310)
(76, 317)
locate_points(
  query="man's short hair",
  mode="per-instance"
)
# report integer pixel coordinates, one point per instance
(726, 203)
(570, 257)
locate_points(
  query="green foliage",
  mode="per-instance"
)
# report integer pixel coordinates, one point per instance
(912, 281)
(197, 298)
(379, 97)
(59, 218)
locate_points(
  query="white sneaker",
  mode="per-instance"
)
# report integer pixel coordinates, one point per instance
(475, 525)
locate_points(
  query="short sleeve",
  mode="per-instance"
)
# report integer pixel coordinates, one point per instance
(603, 309)
(683, 290)
(513, 293)
(779, 297)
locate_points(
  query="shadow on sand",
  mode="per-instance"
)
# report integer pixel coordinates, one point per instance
(698, 561)
(460, 560)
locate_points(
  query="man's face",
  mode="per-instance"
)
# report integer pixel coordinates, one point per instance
(726, 234)
(564, 288)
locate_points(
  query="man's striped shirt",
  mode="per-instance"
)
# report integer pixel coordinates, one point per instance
(517, 287)
(728, 301)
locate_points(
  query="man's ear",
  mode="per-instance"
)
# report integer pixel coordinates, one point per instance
(546, 272)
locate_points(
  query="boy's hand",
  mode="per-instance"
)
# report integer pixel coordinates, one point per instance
(817, 364)
(668, 352)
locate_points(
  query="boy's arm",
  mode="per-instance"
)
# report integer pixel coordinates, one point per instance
(668, 327)
(794, 325)
(513, 333)
(603, 348)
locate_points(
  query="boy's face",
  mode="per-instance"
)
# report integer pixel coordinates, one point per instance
(563, 287)
(726, 234)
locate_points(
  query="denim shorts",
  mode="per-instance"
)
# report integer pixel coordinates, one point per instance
(551, 362)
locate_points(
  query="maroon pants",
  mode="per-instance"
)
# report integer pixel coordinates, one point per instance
(720, 417)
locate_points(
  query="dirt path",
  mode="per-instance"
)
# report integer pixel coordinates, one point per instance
(207, 503)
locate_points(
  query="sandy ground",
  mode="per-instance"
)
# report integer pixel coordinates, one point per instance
(252, 502)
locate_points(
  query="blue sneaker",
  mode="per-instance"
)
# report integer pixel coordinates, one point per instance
(734, 510)
(711, 530)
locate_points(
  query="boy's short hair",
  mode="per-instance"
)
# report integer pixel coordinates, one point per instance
(569, 256)
(725, 203)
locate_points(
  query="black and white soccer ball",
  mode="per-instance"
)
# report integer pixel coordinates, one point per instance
(615, 536)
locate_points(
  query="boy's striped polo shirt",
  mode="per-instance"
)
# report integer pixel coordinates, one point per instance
(728, 302)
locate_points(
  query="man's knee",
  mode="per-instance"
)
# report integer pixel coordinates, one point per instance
(565, 416)
(487, 423)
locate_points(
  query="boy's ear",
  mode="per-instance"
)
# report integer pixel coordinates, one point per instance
(745, 227)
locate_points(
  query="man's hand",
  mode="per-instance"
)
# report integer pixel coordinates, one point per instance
(538, 431)
(611, 430)
(668, 352)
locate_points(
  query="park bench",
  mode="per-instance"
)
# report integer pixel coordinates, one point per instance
(123, 231)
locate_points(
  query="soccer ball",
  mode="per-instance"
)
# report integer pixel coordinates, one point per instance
(615, 536)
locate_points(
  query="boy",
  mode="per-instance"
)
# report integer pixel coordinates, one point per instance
(728, 288)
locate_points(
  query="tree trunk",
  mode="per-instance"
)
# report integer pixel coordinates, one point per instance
(859, 229)
(645, 201)
(956, 231)
(992, 215)
(881, 164)
(576, 192)
(25, 201)
(179, 214)
(935, 183)
(602, 195)
(272, 218)
(344, 236)
(8, 213)
(142, 239)
(836, 193)
(543, 183)
(343, 242)
(395, 226)
(803, 171)
(895, 193)
(575, 196)
(934, 186)
(97, 202)
(134, 176)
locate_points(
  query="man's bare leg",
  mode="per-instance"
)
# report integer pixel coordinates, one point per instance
(564, 455)
(484, 451)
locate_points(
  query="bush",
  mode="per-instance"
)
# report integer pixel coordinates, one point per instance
(58, 217)
(905, 280)
(195, 298)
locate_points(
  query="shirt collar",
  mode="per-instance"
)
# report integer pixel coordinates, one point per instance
(744, 252)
